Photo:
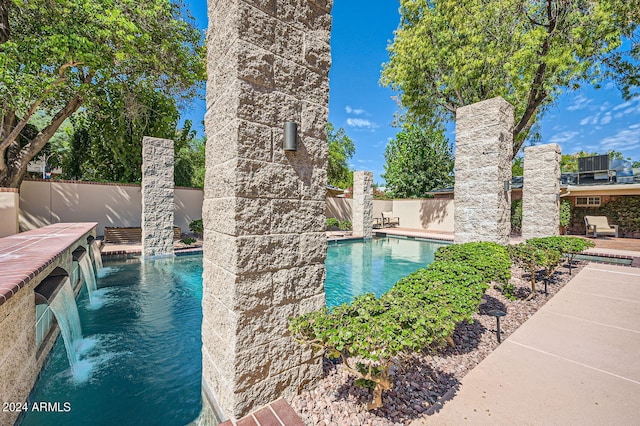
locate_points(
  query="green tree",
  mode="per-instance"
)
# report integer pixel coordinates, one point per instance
(451, 53)
(190, 158)
(341, 149)
(65, 55)
(569, 162)
(517, 166)
(418, 160)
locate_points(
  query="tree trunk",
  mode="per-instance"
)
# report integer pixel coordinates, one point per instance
(14, 162)
(4, 20)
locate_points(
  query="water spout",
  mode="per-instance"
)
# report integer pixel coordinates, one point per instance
(95, 253)
(86, 266)
(65, 310)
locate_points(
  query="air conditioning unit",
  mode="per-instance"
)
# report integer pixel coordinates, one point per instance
(597, 163)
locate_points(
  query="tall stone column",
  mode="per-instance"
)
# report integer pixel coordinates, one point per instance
(157, 197)
(363, 204)
(264, 208)
(541, 190)
(484, 146)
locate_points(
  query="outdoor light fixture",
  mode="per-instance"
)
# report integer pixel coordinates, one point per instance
(497, 313)
(507, 186)
(290, 136)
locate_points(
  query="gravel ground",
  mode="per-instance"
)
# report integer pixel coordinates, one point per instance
(421, 379)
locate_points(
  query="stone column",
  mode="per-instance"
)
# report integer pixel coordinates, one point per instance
(541, 188)
(157, 197)
(264, 208)
(484, 146)
(363, 204)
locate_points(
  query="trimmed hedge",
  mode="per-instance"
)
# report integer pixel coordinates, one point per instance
(420, 311)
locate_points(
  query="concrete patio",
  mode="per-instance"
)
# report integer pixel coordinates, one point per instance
(575, 362)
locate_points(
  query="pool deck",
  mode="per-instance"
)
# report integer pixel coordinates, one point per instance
(574, 362)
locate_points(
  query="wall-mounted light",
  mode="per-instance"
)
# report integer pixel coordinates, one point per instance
(507, 186)
(290, 136)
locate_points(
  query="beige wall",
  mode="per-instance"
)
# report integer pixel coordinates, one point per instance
(433, 214)
(9, 206)
(46, 202)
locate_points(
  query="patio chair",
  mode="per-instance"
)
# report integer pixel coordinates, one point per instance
(388, 220)
(599, 225)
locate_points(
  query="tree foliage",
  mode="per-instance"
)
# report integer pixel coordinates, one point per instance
(451, 53)
(569, 162)
(62, 56)
(418, 160)
(341, 149)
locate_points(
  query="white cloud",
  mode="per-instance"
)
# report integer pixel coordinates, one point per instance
(622, 105)
(355, 111)
(361, 123)
(585, 121)
(580, 102)
(626, 139)
(563, 137)
(606, 119)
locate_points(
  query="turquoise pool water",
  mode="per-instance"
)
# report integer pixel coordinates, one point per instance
(373, 266)
(141, 352)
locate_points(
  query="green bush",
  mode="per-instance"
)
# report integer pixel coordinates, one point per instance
(332, 222)
(188, 240)
(196, 226)
(568, 247)
(565, 214)
(345, 225)
(420, 311)
(516, 216)
(533, 258)
(490, 259)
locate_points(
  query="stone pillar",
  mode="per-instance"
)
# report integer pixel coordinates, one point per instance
(264, 208)
(540, 201)
(484, 146)
(157, 197)
(363, 204)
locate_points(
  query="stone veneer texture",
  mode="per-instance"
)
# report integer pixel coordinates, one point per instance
(484, 144)
(264, 208)
(363, 204)
(540, 204)
(157, 197)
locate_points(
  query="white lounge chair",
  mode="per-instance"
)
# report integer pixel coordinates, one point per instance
(599, 225)
(388, 220)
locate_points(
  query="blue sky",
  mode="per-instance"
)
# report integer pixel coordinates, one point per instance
(587, 119)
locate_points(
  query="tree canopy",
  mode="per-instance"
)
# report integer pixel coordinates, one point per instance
(451, 53)
(341, 149)
(418, 160)
(63, 56)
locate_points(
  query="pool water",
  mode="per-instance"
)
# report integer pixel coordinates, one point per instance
(141, 362)
(141, 352)
(372, 266)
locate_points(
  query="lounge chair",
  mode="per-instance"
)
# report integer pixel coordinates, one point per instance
(388, 220)
(599, 225)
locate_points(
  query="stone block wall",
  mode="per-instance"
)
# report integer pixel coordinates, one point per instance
(263, 209)
(541, 188)
(363, 204)
(157, 196)
(484, 146)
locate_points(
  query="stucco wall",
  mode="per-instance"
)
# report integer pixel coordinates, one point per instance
(9, 206)
(46, 202)
(433, 213)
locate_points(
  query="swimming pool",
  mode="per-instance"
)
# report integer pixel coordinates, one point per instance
(141, 352)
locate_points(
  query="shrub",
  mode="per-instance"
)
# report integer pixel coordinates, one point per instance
(565, 214)
(188, 240)
(516, 216)
(332, 222)
(196, 226)
(532, 259)
(490, 259)
(420, 311)
(345, 225)
(568, 247)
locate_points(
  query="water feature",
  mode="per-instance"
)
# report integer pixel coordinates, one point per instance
(97, 257)
(86, 266)
(65, 310)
